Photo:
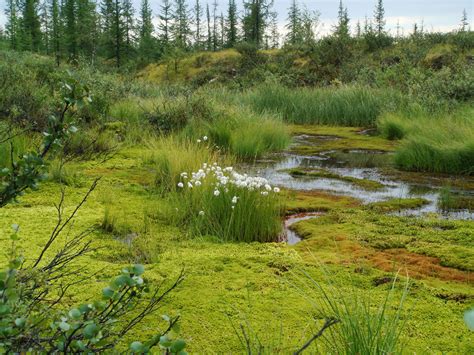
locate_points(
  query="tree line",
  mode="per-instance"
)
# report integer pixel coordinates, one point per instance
(114, 29)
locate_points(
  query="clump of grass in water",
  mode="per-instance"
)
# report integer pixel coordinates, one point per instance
(439, 144)
(366, 326)
(218, 201)
(449, 201)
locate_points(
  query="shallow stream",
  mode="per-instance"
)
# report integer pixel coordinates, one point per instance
(361, 164)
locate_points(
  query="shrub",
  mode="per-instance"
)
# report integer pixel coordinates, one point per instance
(220, 202)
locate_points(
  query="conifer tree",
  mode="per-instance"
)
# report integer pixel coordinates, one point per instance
(209, 33)
(12, 27)
(293, 25)
(165, 22)
(30, 26)
(274, 33)
(45, 24)
(112, 30)
(86, 28)
(214, 26)
(198, 25)
(342, 27)
(309, 24)
(464, 21)
(55, 34)
(379, 18)
(145, 29)
(181, 29)
(129, 30)
(255, 20)
(70, 30)
(231, 24)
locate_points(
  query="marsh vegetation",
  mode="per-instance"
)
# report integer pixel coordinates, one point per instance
(164, 194)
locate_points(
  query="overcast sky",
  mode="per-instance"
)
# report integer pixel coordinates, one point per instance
(437, 15)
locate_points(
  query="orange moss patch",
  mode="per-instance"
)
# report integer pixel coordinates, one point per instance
(417, 265)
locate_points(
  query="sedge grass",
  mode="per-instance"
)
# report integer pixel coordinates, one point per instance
(438, 144)
(233, 207)
(345, 106)
(367, 324)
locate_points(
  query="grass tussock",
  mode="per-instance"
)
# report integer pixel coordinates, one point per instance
(439, 144)
(345, 106)
(170, 156)
(221, 202)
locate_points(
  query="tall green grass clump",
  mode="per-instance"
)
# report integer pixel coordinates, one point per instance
(170, 156)
(220, 202)
(242, 133)
(439, 144)
(344, 106)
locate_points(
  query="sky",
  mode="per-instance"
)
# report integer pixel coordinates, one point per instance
(437, 15)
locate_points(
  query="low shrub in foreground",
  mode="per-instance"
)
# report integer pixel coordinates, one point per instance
(221, 202)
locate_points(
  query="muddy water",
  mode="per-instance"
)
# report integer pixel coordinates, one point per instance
(361, 164)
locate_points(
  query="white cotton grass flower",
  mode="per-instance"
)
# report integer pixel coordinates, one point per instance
(234, 199)
(199, 141)
(201, 213)
(264, 193)
(276, 189)
(180, 184)
(217, 192)
(190, 185)
(204, 138)
(197, 183)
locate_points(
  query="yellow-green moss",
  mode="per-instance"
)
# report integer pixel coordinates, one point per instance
(348, 138)
(396, 204)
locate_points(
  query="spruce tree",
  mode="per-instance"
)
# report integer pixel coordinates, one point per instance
(342, 27)
(30, 26)
(112, 30)
(12, 26)
(293, 25)
(209, 33)
(70, 30)
(181, 29)
(165, 22)
(255, 20)
(309, 24)
(145, 27)
(274, 34)
(198, 25)
(464, 21)
(214, 26)
(231, 24)
(55, 34)
(86, 28)
(129, 29)
(379, 18)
